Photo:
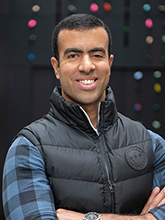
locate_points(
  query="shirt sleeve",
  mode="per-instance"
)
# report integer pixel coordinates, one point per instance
(159, 170)
(26, 190)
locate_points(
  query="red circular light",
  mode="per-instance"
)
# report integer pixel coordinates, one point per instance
(107, 6)
(137, 107)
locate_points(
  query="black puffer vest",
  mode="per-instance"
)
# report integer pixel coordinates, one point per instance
(107, 172)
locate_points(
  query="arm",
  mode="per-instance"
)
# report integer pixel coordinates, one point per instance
(68, 215)
(159, 170)
(156, 199)
(26, 191)
(155, 206)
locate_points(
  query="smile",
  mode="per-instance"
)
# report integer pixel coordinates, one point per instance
(87, 82)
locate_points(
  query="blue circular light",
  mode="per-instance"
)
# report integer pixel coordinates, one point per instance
(146, 7)
(156, 106)
(31, 56)
(138, 75)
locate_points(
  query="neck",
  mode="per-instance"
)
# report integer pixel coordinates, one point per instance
(92, 112)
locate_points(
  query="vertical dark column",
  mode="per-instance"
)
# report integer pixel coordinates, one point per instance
(126, 27)
(58, 11)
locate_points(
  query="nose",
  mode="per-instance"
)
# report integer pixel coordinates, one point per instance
(86, 64)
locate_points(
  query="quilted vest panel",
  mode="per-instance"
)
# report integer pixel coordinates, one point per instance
(109, 173)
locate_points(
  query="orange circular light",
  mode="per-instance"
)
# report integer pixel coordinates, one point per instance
(107, 6)
(149, 40)
(36, 8)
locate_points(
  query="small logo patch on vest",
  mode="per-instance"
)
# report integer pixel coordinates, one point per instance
(136, 158)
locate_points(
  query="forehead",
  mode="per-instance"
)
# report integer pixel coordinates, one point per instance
(84, 38)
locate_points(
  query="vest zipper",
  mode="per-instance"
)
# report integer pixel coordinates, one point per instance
(111, 187)
(109, 182)
(106, 168)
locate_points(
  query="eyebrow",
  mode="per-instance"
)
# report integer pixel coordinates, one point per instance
(95, 49)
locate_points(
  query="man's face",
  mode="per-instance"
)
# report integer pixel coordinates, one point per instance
(84, 65)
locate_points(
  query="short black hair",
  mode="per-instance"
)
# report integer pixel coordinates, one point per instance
(78, 22)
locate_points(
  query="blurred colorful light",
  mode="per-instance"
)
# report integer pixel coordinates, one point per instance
(107, 6)
(149, 23)
(94, 7)
(36, 8)
(32, 23)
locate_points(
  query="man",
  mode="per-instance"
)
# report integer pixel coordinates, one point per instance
(83, 158)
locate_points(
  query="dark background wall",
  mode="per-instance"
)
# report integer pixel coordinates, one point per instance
(25, 86)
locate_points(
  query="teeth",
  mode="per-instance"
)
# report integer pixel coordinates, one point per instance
(86, 81)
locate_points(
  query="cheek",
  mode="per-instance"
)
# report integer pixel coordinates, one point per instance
(66, 75)
(67, 72)
(68, 67)
(104, 69)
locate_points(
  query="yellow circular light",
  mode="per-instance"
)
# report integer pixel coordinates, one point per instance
(157, 87)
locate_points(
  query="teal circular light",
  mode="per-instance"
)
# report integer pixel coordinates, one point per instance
(146, 7)
(157, 74)
(156, 124)
(163, 38)
(156, 106)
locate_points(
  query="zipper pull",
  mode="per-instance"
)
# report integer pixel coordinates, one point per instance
(111, 187)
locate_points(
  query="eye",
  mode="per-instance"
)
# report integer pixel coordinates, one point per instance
(98, 55)
(71, 56)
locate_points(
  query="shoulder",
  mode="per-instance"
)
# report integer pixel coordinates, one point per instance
(156, 137)
(23, 144)
(23, 153)
(129, 121)
(157, 141)
(133, 128)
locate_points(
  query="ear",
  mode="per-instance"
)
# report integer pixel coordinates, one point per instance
(111, 60)
(110, 63)
(54, 62)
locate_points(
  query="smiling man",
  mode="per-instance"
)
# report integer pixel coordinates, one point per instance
(84, 160)
(84, 68)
